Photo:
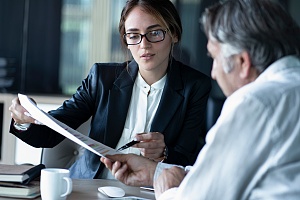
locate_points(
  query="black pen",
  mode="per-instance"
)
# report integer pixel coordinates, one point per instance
(126, 146)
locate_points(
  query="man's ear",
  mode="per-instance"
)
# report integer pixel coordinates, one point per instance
(245, 62)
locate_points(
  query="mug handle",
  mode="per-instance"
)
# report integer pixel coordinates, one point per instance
(69, 186)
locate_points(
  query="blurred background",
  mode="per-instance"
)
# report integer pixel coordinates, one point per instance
(48, 46)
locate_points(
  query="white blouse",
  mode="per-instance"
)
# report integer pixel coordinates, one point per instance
(143, 105)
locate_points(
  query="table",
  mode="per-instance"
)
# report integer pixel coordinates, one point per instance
(88, 189)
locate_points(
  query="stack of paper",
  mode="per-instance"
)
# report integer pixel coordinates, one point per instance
(81, 139)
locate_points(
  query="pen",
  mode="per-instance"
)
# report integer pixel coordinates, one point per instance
(133, 142)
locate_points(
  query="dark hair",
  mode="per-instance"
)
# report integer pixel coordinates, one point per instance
(163, 10)
(263, 28)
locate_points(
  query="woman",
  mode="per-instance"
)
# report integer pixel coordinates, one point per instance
(153, 98)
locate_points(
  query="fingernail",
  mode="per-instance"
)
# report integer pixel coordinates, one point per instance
(37, 122)
(27, 114)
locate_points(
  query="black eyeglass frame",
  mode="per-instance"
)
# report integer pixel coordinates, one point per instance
(145, 35)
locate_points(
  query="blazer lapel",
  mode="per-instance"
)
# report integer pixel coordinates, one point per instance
(118, 103)
(167, 108)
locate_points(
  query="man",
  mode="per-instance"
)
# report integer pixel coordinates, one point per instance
(252, 152)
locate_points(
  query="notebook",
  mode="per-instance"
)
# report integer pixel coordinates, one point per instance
(19, 173)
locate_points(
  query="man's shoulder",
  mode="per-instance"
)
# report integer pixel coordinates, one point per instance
(268, 92)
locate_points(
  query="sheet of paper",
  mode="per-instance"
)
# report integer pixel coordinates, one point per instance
(81, 139)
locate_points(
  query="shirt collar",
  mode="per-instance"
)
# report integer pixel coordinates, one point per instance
(140, 82)
(285, 63)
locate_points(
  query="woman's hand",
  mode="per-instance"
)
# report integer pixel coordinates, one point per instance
(152, 145)
(20, 114)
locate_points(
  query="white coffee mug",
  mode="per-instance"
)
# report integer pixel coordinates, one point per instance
(55, 184)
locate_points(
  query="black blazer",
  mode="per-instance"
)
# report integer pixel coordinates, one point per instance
(105, 95)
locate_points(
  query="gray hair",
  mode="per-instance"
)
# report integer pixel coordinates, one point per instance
(263, 28)
(228, 51)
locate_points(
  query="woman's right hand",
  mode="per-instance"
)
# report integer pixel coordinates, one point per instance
(19, 113)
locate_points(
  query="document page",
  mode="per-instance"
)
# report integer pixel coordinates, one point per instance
(81, 139)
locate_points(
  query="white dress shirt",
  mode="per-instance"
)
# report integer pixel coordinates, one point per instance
(143, 105)
(253, 150)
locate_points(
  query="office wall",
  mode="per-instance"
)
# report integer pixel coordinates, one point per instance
(7, 140)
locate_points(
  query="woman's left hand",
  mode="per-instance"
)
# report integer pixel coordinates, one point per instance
(152, 145)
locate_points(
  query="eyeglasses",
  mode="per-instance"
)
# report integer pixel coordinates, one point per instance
(152, 36)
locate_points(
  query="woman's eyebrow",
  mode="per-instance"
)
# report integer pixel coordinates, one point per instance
(153, 26)
(132, 29)
(148, 28)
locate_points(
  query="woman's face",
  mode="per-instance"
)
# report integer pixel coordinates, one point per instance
(151, 57)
